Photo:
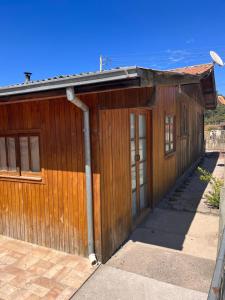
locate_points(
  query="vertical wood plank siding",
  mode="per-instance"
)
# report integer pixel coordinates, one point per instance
(115, 179)
(166, 169)
(111, 165)
(52, 213)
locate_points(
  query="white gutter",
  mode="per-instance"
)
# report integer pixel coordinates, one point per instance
(87, 149)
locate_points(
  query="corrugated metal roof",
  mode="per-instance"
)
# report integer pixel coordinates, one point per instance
(91, 81)
(72, 80)
(112, 75)
(70, 76)
(194, 70)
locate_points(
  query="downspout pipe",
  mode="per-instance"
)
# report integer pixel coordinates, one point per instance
(88, 172)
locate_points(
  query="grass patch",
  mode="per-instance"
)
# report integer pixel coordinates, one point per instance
(213, 196)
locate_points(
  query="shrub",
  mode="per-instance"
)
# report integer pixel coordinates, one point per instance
(213, 196)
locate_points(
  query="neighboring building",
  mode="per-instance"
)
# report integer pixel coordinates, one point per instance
(146, 129)
(221, 100)
(222, 125)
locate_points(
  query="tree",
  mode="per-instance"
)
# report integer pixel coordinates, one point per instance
(215, 116)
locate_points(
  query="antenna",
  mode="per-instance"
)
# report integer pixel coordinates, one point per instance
(103, 61)
(216, 59)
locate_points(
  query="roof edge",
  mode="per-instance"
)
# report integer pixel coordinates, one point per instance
(148, 77)
(76, 80)
(193, 66)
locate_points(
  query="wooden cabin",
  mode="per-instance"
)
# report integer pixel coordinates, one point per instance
(146, 129)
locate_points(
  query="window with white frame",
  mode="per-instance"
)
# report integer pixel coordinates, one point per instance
(169, 134)
(20, 155)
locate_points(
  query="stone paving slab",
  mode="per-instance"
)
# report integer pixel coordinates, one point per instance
(109, 283)
(32, 272)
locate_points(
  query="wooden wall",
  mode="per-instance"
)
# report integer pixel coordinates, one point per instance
(51, 213)
(111, 164)
(166, 169)
(115, 178)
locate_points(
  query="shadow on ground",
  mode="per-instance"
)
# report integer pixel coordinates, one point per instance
(168, 225)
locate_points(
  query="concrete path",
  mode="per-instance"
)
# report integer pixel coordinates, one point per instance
(189, 233)
(112, 283)
(165, 264)
(171, 255)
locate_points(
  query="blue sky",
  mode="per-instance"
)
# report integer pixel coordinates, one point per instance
(56, 37)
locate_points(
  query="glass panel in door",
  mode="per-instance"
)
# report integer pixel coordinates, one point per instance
(133, 164)
(143, 160)
(138, 148)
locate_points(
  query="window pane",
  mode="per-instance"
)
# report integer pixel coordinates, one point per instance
(167, 129)
(171, 133)
(24, 153)
(142, 125)
(132, 148)
(143, 172)
(132, 126)
(142, 149)
(35, 155)
(3, 160)
(167, 148)
(167, 119)
(133, 177)
(11, 147)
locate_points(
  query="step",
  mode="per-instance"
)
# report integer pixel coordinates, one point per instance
(114, 284)
(165, 265)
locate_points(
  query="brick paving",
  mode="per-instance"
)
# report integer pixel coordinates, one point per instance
(32, 272)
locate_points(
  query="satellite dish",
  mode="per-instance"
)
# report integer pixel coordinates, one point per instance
(216, 58)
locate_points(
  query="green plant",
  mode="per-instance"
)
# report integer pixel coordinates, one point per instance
(215, 116)
(211, 128)
(213, 196)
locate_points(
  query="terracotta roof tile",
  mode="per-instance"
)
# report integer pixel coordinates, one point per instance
(221, 100)
(194, 70)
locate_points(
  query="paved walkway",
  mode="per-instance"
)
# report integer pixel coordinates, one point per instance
(171, 255)
(190, 196)
(32, 272)
(110, 283)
